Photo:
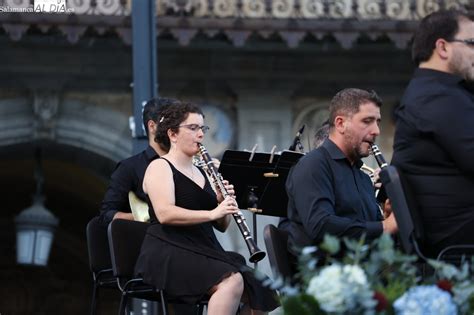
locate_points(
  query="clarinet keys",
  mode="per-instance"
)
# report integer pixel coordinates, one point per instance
(255, 253)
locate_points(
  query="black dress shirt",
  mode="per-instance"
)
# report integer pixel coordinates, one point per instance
(434, 147)
(127, 176)
(326, 194)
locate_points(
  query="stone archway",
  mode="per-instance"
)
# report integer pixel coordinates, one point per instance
(97, 129)
(81, 144)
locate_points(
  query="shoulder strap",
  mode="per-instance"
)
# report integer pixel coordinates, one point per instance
(173, 169)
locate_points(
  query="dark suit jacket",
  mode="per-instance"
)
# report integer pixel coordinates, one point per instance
(434, 147)
(127, 176)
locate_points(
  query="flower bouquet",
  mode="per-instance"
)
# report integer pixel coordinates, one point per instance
(375, 278)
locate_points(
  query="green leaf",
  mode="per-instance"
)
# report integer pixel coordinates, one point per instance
(301, 305)
(393, 290)
(331, 244)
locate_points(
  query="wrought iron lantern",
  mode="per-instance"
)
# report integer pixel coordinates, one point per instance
(35, 228)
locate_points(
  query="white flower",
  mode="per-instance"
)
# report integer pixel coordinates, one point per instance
(341, 289)
(308, 250)
(355, 274)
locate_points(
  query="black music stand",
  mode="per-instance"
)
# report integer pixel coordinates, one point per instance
(245, 170)
(259, 180)
(274, 199)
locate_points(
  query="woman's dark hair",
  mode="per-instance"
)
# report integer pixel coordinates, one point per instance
(171, 117)
(153, 108)
(440, 24)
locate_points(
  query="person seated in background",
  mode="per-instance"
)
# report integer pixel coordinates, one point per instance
(327, 191)
(321, 135)
(434, 132)
(128, 174)
(180, 252)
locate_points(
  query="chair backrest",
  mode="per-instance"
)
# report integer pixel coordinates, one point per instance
(276, 243)
(404, 207)
(98, 246)
(125, 241)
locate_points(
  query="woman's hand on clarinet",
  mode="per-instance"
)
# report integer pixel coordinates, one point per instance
(216, 163)
(228, 187)
(228, 206)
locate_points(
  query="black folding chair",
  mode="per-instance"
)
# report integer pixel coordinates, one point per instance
(456, 254)
(99, 260)
(125, 239)
(410, 234)
(410, 226)
(281, 260)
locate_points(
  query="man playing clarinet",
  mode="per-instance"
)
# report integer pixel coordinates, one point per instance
(328, 193)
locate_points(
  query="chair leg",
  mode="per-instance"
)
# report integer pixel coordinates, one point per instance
(123, 304)
(163, 303)
(94, 299)
(200, 309)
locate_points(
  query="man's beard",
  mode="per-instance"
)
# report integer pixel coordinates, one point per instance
(361, 153)
(460, 66)
(357, 151)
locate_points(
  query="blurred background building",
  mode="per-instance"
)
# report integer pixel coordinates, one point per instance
(260, 68)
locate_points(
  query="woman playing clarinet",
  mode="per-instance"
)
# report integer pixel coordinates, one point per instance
(180, 252)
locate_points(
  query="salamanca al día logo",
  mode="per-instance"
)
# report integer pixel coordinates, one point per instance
(54, 6)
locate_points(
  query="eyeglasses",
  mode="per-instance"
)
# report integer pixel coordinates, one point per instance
(196, 127)
(469, 41)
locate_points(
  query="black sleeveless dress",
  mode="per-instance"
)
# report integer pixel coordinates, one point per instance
(187, 261)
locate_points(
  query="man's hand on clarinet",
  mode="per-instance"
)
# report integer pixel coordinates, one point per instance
(387, 208)
(390, 224)
(376, 178)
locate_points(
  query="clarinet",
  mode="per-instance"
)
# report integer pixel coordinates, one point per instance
(380, 194)
(378, 156)
(255, 253)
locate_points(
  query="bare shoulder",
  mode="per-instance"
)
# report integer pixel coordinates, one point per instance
(158, 166)
(158, 171)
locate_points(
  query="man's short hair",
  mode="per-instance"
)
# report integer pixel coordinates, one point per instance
(153, 108)
(440, 24)
(348, 101)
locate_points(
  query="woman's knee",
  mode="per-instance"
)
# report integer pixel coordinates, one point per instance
(235, 282)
